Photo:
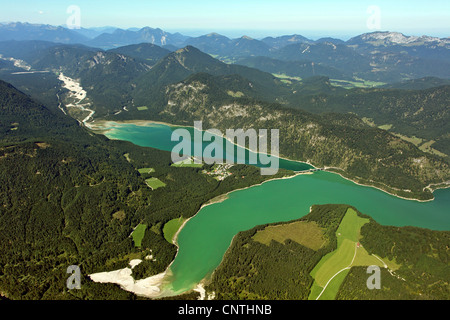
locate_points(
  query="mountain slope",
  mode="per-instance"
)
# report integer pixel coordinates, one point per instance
(302, 69)
(106, 76)
(419, 84)
(225, 48)
(408, 56)
(121, 37)
(25, 50)
(414, 113)
(211, 43)
(334, 55)
(340, 141)
(71, 197)
(60, 187)
(283, 41)
(147, 52)
(187, 61)
(385, 39)
(246, 46)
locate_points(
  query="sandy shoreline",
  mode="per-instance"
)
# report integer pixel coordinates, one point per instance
(148, 287)
(94, 125)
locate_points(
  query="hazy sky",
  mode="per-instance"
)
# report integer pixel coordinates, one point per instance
(233, 17)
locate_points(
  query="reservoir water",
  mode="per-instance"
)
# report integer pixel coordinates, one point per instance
(205, 238)
(159, 136)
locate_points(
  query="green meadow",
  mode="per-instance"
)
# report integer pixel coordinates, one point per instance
(357, 83)
(305, 233)
(286, 77)
(237, 94)
(188, 163)
(138, 234)
(334, 262)
(155, 183)
(146, 170)
(171, 228)
(331, 270)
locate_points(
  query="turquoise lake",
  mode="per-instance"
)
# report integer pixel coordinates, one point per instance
(206, 237)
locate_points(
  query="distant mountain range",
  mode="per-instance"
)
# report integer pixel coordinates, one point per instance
(387, 57)
(109, 37)
(26, 31)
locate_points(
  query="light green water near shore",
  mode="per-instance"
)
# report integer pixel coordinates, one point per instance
(205, 238)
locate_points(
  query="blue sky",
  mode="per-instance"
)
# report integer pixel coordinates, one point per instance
(252, 17)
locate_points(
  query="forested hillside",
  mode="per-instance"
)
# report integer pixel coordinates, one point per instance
(69, 197)
(423, 259)
(413, 113)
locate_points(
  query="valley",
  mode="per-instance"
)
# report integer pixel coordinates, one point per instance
(76, 96)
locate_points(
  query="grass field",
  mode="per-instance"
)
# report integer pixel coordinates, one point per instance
(335, 261)
(414, 140)
(426, 147)
(305, 233)
(370, 122)
(422, 144)
(363, 258)
(385, 127)
(286, 77)
(171, 228)
(146, 170)
(155, 183)
(188, 163)
(350, 226)
(333, 287)
(138, 234)
(346, 255)
(237, 94)
(357, 83)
